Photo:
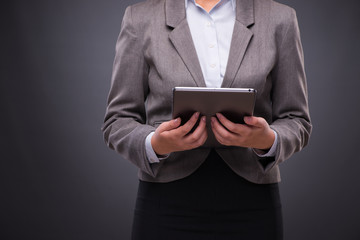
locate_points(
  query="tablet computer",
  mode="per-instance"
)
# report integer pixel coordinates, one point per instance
(233, 103)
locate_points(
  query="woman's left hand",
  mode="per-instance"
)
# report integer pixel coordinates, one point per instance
(255, 133)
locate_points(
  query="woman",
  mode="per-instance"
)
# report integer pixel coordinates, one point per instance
(187, 191)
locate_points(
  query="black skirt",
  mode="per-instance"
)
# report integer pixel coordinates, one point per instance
(212, 203)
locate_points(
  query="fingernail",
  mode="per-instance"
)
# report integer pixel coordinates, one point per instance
(197, 114)
(218, 115)
(176, 120)
(203, 119)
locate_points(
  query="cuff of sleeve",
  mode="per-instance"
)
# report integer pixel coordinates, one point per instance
(271, 152)
(150, 153)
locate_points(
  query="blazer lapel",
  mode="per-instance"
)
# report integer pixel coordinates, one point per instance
(240, 39)
(182, 40)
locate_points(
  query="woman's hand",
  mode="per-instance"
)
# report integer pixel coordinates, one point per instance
(255, 133)
(171, 137)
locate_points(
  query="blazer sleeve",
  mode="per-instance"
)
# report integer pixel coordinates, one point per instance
(291, 119)
(124, 128)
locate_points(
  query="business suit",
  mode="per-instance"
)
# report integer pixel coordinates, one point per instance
(155, 53)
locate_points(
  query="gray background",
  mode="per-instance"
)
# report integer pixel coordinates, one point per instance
(59, 180)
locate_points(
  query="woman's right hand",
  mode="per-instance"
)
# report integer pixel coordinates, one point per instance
(171, 137)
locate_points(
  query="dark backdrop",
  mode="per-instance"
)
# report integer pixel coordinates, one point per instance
(60, 181)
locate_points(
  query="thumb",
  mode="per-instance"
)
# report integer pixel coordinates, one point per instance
(170, 125)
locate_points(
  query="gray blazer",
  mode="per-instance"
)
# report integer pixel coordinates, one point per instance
(155, 53)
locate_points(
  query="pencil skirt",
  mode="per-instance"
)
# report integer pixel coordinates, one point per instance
(213, 203)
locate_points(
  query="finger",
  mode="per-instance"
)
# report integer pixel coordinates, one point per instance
(222, 133)
(232, 127)
(186, 128)
(201, 128)
(255, 121)
(195, 136)
(218, 137)
(202, 139)
(170, 125)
